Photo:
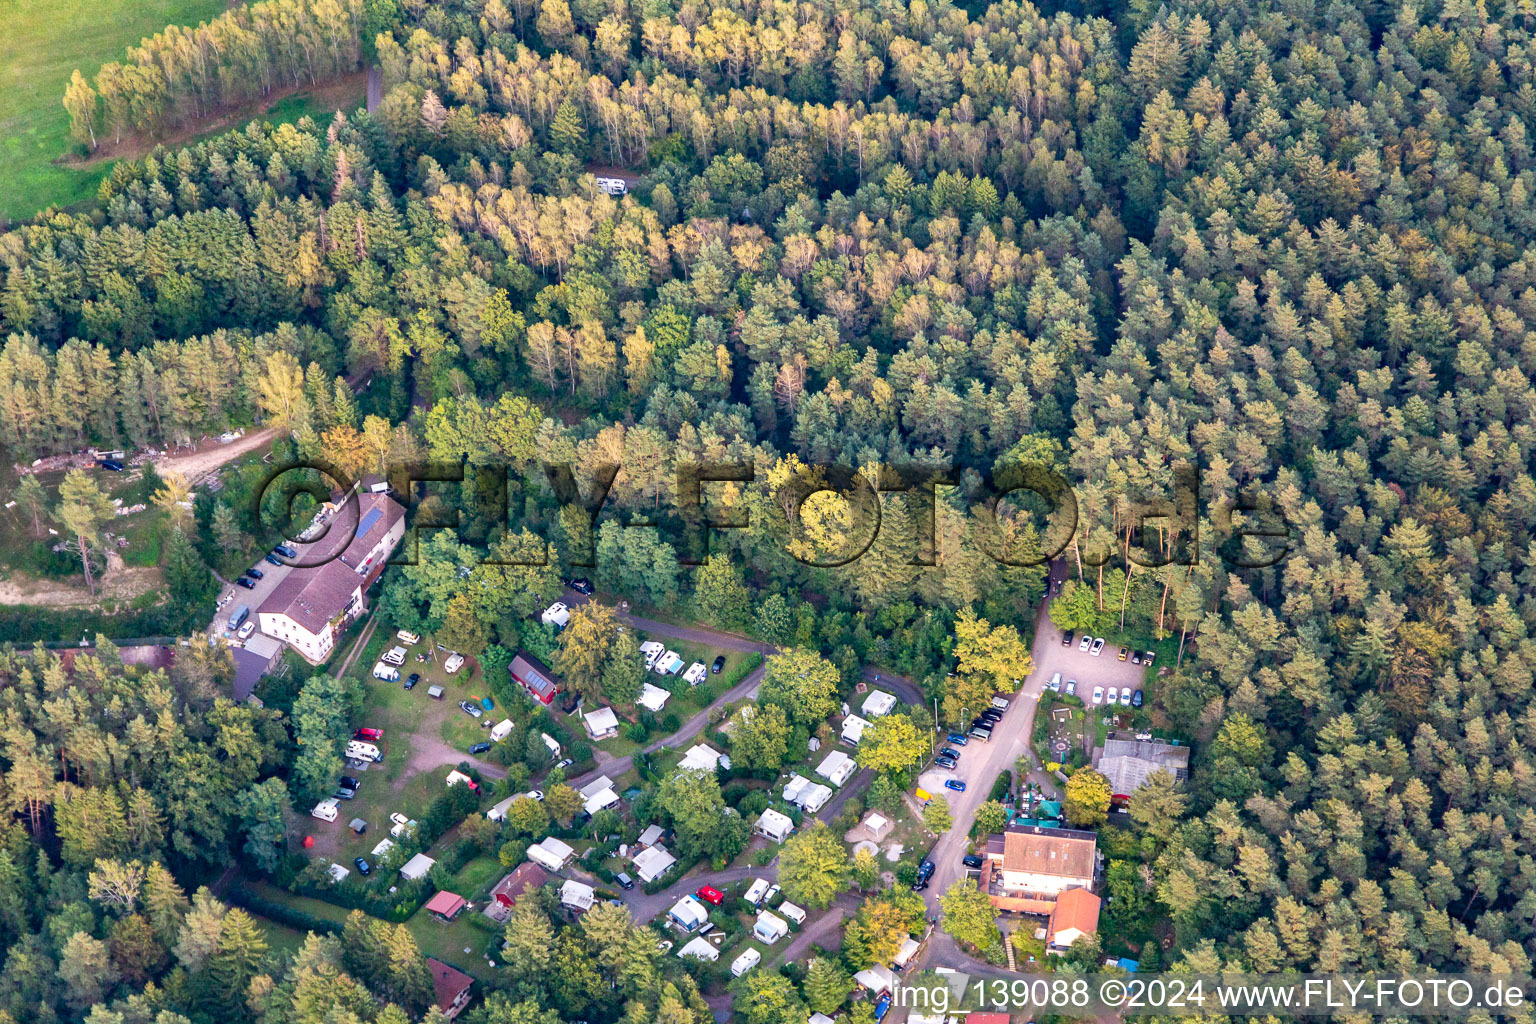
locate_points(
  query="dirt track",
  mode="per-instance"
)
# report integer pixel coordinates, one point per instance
(199, 464)
(115, 585)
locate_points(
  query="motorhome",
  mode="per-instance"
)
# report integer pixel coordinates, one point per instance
(408, 638)
(613, 186)
(454, 663)
(359, 751)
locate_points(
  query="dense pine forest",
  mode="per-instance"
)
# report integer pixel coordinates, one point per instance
(1292, 243)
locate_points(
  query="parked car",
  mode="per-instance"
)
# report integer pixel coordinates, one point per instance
(991, 717)
(944, 762)
(718, 665)
(479, 748)
(1098, 647)
(971, 860)
(1085, 643)
(565, 763)
(255, 574)
(1125, 695)
(286, 551)
(368, 735)
(246, 631)
(1001, 703)
(1136, 699)
(1124, 653)
(925, 870)
(1135, 657)
(246, 582)
(472, 710)
(624, 881)
(1066, 638)
(273, 559)
(537, 794)
(1098, 694)
(709, 894)
(1055, 684)
(362, 866)
(345, 793)
(957, 738)
(348, 781)
(1148, 658)
(1071, 687)
(412, 679)
(581, 585)
(112, 464)
(954, 784)
(951, 752)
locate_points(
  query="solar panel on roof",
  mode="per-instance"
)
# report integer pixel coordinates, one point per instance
(369, 518)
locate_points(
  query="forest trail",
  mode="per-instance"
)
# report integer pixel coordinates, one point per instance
(198, 465)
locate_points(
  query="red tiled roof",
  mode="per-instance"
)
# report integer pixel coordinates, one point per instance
(1075, 908)
(445, 903)
(448, 983)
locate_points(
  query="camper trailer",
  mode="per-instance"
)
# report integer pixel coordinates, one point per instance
(613, 186)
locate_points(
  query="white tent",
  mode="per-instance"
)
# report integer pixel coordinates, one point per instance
(383, 847)
(688, 913)
(770, 928)
(653, 862)
(879, 703)
(700, 758)
(550, 854)
(700, 949)
(837, 768)
(338, 873)
(417, 867)
(774, 825)
(654, 698)
(577, 895)
(853, 729)
(748, 959)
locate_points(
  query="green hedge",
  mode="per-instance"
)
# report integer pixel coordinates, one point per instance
(281, 913)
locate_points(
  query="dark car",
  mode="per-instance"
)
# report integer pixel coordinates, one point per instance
(112, 464)
(246, 582)
(718, 665)
(1135, 657)
(286, 551)
(1136, 699)
(255, 574)
(951, 752)
(273, 559)
(992, 715)
(362, 866)
(944, 762)
(348, 782)
(581, 585)
(971, 860)
(954, 784)
(412, 679)
(624, 881)
(479, 748)
(1066, 639)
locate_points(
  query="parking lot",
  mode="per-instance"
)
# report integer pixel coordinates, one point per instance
(1105, 670)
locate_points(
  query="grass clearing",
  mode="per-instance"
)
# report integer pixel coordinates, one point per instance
(44, 41)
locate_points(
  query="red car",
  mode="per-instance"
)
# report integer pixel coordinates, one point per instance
(368, 734)
(711, 895)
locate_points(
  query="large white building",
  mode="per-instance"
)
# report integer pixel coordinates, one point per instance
(312, 605)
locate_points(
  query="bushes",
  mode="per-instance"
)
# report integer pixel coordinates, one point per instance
(735, 675)
(282, 913)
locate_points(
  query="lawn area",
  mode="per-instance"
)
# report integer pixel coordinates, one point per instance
(44, 41)
(447, 941)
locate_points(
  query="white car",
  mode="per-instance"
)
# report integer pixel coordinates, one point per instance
(1125, 695)
(1086, 642)
(536, 794)
(1098, 647)
(1071, 687)
(1098, 694)
(1055, 684)
(246, 631)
